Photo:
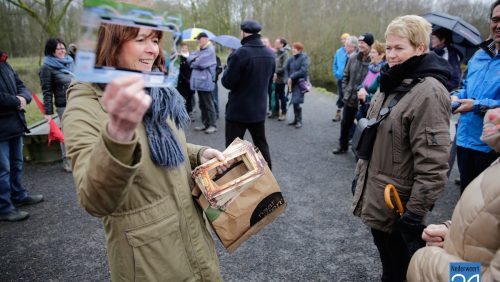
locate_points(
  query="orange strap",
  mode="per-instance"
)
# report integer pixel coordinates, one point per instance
(387, 197)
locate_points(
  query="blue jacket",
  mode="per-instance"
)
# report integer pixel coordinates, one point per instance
(203, 63)
(483, 85)
(12, 121)
(339, 62)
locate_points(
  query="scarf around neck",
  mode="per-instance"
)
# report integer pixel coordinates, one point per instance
(375, 68)
(164, 145)
(65, 65)
(425, 65)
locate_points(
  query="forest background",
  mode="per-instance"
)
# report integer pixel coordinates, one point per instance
(26, 24)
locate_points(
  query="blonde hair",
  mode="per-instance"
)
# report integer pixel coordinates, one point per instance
(415, 28)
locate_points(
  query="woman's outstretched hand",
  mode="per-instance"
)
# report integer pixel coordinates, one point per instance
(126, 103)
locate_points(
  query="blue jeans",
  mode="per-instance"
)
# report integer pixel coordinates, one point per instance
(11, 170)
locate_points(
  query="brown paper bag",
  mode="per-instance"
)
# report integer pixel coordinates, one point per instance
(257, 206)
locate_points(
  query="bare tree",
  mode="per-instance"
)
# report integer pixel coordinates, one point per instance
(51, 20)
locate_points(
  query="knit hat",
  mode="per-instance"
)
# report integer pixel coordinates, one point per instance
(344, 35)
(367, 38)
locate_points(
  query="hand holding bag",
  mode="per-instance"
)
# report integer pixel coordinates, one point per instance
(304, 85)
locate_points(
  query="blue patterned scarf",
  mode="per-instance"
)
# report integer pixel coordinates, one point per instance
(65, 65)
(164, 146)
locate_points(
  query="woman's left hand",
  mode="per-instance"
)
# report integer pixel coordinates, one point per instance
(289, 82)
(210, 153)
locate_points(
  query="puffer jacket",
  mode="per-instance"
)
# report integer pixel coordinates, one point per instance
(12, 120)
(411, 148)
(474, 234)
(154, 230)
(54, 84)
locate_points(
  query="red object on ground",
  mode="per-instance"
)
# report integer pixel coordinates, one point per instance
(55, 133)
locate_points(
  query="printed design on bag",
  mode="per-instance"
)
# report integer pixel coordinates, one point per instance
(465, 272)
(266, 207)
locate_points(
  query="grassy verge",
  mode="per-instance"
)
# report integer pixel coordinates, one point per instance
(27, 69)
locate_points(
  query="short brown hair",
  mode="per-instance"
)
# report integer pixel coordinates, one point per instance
(379, 47)
(298, 46)
(111, 38)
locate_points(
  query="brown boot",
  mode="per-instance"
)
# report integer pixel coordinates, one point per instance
(337, 116)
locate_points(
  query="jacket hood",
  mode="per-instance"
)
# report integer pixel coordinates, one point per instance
(491, 129)
(416, 67)
(434, 66)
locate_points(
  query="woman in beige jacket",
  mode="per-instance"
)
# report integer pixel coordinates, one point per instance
(474, 234)
(132, 165)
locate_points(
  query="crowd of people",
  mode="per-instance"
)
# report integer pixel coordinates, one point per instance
(131, 162)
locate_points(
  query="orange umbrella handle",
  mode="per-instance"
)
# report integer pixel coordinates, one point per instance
(388, 201)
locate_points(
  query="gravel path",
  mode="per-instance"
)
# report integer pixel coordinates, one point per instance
(316, 239)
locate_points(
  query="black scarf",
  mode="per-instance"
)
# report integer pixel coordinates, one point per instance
(426, 65)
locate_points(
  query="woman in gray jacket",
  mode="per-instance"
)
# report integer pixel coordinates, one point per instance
(55, 77)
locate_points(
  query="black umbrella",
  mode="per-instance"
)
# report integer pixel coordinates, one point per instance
(464, 35)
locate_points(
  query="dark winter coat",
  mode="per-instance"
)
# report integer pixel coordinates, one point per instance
(297, 67)
(412, 144)
(354, 73)
(12, 120)
(54, 85)
(249, 72)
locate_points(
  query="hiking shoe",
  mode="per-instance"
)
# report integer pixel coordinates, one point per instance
(337, 116)
(339, 151)
(282, 117)
(30, 200)
(15, 215)
(200, 128)
(211, 129)
(67, 165)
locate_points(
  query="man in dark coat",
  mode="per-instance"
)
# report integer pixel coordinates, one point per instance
(249, 72)
(13, 99)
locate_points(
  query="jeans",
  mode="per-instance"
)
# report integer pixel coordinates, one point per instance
(11, 169)
(280, 97)
(257, 130)
(471, 163)
(393, 253)
(340, 95)
(207, 108)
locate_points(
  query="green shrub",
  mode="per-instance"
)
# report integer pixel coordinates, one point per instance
(27, 69)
